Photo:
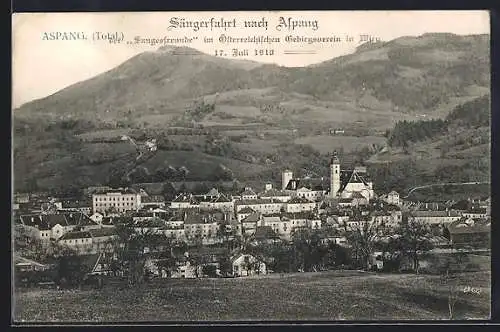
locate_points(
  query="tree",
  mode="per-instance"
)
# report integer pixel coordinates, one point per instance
(307, 250)
(225, 264)
(134, 250)
(363, 239)
(415, 237)
(168, 191)
(210, 270)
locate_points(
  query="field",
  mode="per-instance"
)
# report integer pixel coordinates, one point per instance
(333, 295)
(328, 143)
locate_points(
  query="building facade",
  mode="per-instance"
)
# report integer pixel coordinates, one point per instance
(116, 200)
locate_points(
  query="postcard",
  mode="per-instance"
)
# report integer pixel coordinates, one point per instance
(251, 167)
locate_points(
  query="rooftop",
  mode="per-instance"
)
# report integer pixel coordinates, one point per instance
(47, 221)
(246, 210)
(299, 200)
(254, 217)
(119, 191)
(435, 214)
(153, 199)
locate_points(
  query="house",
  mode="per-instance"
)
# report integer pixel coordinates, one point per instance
(84, 206)
(312, 189)
(249, 223)
(174, 227)
(387, 218)
(53, 226)
(76, 239)
(359, 200)
(393, 198)
(248, 194)
(23, 264)
(285, 223)
(97, 218)
(299, 204)
(265, 234)
(337, 239)
(476, 213)
(220, 202)
(156, 201)
(279, 224)
(184, 271)
(184, 201)
(274, 194)
(243, 213)
(435, 217)
(264, 206)
(92, 240)
(470, 232)
(90, 263)
(247, 265)
(100, 265)
(117, 200)
(213, 193)
(152, 225)
(21, 198)
(202, 224)
(345, 202)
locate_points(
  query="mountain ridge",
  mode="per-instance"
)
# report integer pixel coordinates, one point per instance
(211, 114)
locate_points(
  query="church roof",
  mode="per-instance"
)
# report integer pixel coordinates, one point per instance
(351, 176)
(315, 184)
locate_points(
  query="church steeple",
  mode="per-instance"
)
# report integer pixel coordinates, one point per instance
(335, 159)
(334, 175)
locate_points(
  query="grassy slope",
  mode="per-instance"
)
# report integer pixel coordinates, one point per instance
(308, 296)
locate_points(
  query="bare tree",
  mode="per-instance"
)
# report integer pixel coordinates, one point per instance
(415, 238)
(135, 249)
(363, 238)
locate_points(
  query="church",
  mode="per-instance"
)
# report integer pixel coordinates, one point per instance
(342, 184)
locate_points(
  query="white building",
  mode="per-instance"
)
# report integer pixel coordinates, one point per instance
(248, 193)
(221, 202)
(246, 265)
(243, 213)
(264, 206)
(299, 204)
(119, 200)
(184, 201)
(393, 198)
(435, 217)
(53, 226)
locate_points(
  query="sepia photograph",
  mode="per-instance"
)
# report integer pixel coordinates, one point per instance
(250, 166)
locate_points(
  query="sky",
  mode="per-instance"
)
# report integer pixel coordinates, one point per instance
(41, 67)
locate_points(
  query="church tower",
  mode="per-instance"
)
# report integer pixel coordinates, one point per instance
(286, 176)
(334, 175)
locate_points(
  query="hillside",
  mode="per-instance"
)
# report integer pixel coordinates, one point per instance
(409, 73)
(459, 152)
(247, 120)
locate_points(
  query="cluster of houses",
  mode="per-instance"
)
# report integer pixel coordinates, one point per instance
(344, 201)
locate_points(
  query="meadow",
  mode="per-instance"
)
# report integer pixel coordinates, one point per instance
(326, 296)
